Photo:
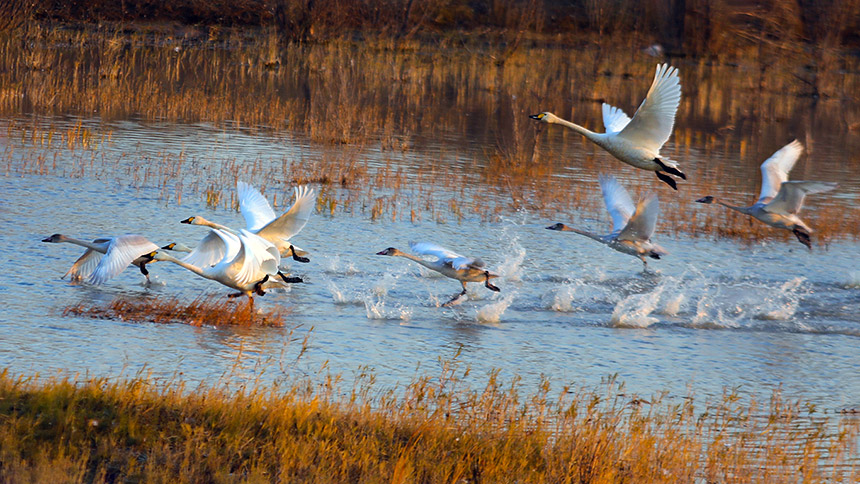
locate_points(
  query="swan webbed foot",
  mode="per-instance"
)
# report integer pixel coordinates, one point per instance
(802, 236)
(491, 287)
(670, 169)
(456, 299)
(297, 257)
(290, 279)
(258, 287)
(667, 180)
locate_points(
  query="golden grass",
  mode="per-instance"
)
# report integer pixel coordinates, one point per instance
(434, 430)
(203, 311)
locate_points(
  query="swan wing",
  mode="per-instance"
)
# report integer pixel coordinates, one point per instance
(643, 222)
(121, 252)
(210, 251)
(87, 262)
(467, 263)
(254, 207)
(439, 252)
(618, 202)
(652, 124)
(774, 170)
(294, 219)
(257, 258)
(614, 119)
(790, 197)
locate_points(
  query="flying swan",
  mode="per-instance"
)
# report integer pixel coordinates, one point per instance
(448, 263)
(632, 225)
(780, 200)
(106, 257)
(638, 141)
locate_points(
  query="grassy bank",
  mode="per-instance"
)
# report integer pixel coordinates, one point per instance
(433, 431)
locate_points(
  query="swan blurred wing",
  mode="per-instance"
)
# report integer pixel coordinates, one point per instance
(439, 252)
(467, 263)
(618, 202)
(210, 251)
(254, 207)
(614, 119)
(121, 252)
(774, 170)
(295, 219)
(791, 194)
(258, 258)
(652, 124)
(644, 221)
(87, 262)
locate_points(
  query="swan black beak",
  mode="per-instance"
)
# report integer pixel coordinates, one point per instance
(46, 240)
(381, 252)
(536, 116)
(707, 199)
(187, 221)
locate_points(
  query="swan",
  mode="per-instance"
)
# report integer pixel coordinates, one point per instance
(247, 261)
(260, 219)
(638, 141)
(632, 226)
(780, 200)
(448, 263)
(106, 257)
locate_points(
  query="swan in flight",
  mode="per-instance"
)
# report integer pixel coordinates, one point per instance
(447, 263)
(246, 263)
(638, 141)
(106, 257)
(260, 219)
(632, 225)
(780, 200)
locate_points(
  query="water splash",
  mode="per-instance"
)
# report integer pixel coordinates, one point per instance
(633, 311)
(852, 280)
(492, 313)
(339, 296)
(333, 265)
(378, 310)
(782, 305)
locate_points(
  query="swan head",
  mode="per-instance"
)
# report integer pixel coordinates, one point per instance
(388, 251)
(177, 247)
(192, 220)
(55, 238)
(155, 255)
(544, 117)
(708, 199)
(558, 226)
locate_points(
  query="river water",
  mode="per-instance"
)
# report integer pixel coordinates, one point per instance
(714, 314)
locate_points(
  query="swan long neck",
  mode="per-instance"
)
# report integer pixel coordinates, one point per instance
(190, 267)
(417, 259)
(579, 129)
(743, 210)
(585, 233)
(84, 243)
(215, 225)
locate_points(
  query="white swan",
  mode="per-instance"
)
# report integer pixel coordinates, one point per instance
(632, 225)
(260, 219)
(780, 200)
(448, 263)
(106, 257)
(248, 261)
(637, 141)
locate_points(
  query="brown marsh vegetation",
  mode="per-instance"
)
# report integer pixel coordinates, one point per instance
(203, 311)
(435, 429)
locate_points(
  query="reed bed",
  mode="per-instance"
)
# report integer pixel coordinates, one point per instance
(435, 429)
(204, 311)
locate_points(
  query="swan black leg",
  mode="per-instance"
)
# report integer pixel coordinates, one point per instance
(290, 279)
(487, 283)
(297, 257)
(666, 179)
(803, 236)
(457, 297)
(670, 169)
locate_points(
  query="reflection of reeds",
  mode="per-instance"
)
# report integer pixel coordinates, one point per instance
(203, 311)
(435, 430)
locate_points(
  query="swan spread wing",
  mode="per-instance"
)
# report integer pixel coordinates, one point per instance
(790, 197)
(258, 257)
(774, 170)
(254, 207)
(121, 252)
(437, 251)
(295, 219)
(87, 262)
(618, 202)
(210, 251)
(643, 222)
(614, 119)
(652, 124)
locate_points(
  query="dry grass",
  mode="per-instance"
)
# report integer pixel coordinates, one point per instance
(203, 311)
(433, 430)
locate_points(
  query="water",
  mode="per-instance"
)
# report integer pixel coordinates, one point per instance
(712, 314)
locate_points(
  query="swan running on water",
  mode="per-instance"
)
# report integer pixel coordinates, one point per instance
(106, 257)
(780, 200)
(248, 262)
(448, 263)
(637, 141)
(632, 225)
(261, 220)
